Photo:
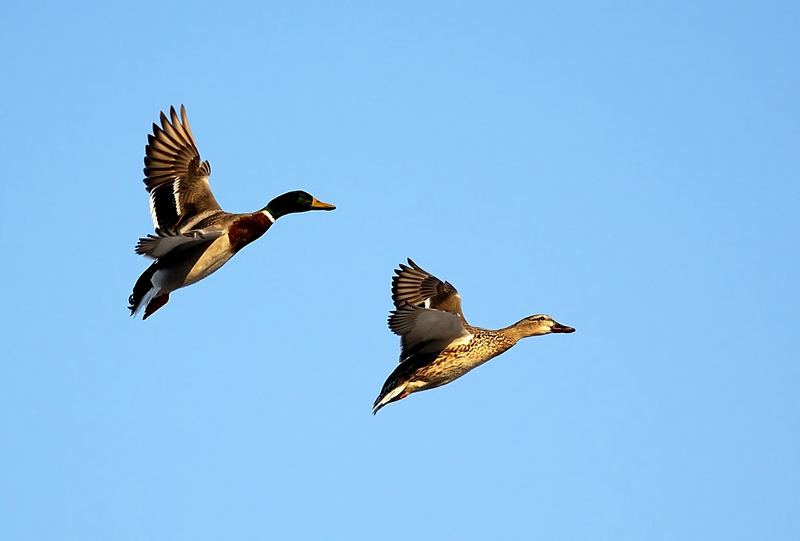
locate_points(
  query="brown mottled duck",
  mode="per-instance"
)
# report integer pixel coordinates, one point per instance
(437, 343)
(194, 236)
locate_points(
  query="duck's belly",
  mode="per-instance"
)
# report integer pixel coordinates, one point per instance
(210, 261)
(446, 369)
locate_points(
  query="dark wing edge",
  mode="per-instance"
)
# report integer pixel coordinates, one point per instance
(414, 285)
(172, 152)
(175, 176)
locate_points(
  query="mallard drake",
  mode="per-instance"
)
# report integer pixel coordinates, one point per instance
(194, 237)
(437, 343)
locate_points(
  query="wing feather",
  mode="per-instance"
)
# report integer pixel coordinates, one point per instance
(175, 175)
(414, 285)
(426, 330)
(163, 243)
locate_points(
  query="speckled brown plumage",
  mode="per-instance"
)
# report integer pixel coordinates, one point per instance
(433, 370)
(437, 344)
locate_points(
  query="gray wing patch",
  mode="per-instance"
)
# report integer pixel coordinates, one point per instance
(426, 330)
(163, 243)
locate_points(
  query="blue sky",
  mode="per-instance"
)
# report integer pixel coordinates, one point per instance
(630, 169)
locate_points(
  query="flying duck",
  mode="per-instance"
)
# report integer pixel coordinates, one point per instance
(437, 343)
(193, 236)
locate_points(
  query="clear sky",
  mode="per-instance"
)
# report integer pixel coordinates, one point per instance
(630, 168)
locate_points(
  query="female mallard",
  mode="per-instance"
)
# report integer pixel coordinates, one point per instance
(194, 236)
(438, 345)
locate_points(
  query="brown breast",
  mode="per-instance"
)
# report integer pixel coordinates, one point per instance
(246, 229)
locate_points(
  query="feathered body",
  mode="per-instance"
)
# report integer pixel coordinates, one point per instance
(438, 368)
(194, 237)
(437, 344)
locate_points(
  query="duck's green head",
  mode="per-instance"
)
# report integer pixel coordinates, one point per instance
(296, 201)
(540, 324)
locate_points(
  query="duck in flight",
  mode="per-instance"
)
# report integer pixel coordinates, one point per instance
(437, 343)
(193, 236)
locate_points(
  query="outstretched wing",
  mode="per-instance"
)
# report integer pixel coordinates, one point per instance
(426, 330)
(175, 176)
(414, 285)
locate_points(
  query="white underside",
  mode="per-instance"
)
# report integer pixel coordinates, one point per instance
(154, 292)
(215, 257)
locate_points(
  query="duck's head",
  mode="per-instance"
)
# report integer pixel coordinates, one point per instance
(540, 324)
(296, 201)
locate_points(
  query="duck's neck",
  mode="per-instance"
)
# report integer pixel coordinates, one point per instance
(273, 211)
(518, 331)
(269, 213)
(280, 206)
(512, 332)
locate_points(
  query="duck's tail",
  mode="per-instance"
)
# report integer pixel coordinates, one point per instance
(146, 294)
(390, 394)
